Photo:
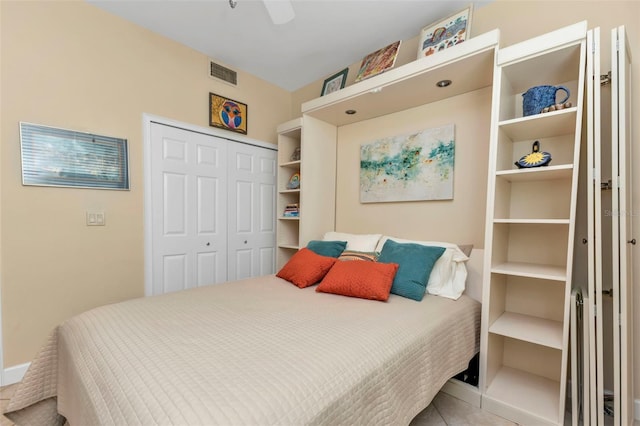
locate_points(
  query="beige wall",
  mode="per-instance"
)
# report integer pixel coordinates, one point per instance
(72, 65)
(517, 20)
(421, 220)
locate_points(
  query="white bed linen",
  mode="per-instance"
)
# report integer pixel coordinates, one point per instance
(256, 352)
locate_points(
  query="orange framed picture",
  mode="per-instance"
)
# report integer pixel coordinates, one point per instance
(227, 114)
(378, 61)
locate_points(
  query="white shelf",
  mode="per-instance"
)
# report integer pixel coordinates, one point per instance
(291, 128)
(291, 164)
(412, 84)
(289, 191)
(541, 126)
(553, 64)
(529, 328)
(289, 246)
(531, 270)
(288, 218)
(561, 171)
(534, 221)
(528, 392)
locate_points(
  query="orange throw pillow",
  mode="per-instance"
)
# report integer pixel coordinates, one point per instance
(366, 280)
(306, 268)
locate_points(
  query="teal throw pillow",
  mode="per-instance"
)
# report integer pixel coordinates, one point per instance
(327, 248)
(415, 264)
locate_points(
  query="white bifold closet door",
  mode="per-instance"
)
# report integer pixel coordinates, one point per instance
(622, 231)
(610, 327)
(212, 209)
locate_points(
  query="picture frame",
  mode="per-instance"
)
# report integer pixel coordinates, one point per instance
(445, 33)
(379, 61)
(409, 167)
(53, 156)
(229, 114)
(335, 82)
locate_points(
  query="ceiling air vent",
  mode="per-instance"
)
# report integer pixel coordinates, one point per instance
(223, 73)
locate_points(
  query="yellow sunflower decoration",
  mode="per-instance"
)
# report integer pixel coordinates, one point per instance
(537, 158)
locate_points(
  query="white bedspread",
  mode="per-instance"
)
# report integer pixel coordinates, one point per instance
(254, 352)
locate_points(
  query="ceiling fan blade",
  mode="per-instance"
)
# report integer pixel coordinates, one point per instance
(280, 11)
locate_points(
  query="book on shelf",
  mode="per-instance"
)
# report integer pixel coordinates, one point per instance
(291, 210)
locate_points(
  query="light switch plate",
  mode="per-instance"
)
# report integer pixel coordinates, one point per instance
(95, 219)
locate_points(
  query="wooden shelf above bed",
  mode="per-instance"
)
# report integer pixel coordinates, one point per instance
(469, 66)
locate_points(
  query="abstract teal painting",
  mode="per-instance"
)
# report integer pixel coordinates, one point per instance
(413, 167)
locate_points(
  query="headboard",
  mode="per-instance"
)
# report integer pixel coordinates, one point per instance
(474, 274)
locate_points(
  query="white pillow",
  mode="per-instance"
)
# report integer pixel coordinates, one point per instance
(355, 242)
(449, 273)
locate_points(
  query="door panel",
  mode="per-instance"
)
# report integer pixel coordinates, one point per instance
(252, 211)
(175, 204)
(622, 228)
(208, 189)
(189, 235)
(592, 401)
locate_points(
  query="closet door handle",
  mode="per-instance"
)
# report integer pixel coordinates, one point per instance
(633, 241)
(208, 244)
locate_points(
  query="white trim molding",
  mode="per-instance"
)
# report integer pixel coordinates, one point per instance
(463, 391)
(14, 374)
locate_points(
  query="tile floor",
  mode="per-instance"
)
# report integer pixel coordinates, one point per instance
(445, 410)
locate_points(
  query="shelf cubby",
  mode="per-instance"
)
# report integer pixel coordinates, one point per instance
(530, 244)
(536, 197)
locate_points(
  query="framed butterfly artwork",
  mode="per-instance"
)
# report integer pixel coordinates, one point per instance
(227, 114)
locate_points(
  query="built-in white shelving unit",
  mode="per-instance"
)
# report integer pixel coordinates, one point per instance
(288, 229)
(529, 232)
(316, 133)
(316, 195)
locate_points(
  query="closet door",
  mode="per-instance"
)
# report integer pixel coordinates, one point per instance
(252, 211)
(592, 364)
(622, 227)
(189, 209)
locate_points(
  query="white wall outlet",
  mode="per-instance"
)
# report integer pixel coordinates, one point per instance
(95, 219)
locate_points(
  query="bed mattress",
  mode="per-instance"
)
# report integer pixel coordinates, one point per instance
(254, 352)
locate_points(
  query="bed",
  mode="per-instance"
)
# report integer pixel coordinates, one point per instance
(260, 351)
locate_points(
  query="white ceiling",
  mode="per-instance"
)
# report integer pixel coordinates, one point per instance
(324, 37)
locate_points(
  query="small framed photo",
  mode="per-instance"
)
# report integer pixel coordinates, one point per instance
(445, 33)
(227, 114)
(335, 82)
(378, 61)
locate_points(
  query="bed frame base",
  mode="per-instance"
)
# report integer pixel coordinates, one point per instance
(463, 391)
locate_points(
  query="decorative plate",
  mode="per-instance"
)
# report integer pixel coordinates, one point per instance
(537, 158)
(294, 181)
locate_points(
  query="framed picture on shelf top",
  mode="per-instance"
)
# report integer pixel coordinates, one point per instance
(378, 61)
(228, 114)
(335, 82)
(445, 33)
